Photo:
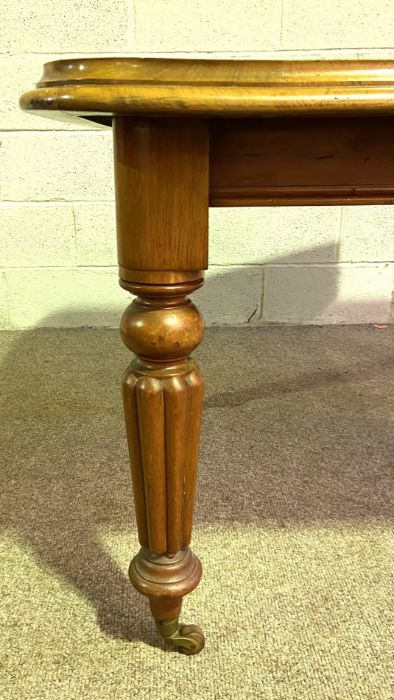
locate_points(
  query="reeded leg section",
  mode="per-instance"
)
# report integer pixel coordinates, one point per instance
(163, 394)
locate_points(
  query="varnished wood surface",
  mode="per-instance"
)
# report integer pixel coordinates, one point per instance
(163, 398)
(227, 88)
(162, 395)
(162, 188)
(303, 161)
(161, 178)
(167, 172)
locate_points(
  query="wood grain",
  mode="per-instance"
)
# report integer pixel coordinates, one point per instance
(100, 87)
(304, 161)
(195, 381)
(178, 420)
(162, 391)
(150, 408)
(134, 445)
(189, 133)
(161, 177)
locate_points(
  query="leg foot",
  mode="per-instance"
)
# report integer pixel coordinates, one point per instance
(165, 580)
(188, 639)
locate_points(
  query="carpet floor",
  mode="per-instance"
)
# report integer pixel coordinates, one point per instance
(293, 523)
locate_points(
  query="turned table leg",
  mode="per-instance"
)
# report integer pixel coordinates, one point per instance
(161, 177)
(163, 393)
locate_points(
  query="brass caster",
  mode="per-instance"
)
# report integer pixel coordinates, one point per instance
(188, 639)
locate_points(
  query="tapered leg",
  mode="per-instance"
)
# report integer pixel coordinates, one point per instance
(163, 394)
(161, 176)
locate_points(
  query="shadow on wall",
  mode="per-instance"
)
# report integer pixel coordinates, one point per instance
(298, 432)
(295, 291)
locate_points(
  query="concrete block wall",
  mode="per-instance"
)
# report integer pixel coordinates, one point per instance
(57, 226)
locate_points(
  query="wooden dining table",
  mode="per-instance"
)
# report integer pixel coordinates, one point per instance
(189, 135)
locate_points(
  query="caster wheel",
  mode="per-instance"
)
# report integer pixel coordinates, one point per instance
(192, 634)
(188, 639)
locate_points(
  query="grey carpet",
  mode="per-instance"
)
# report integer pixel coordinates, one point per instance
(293, 524)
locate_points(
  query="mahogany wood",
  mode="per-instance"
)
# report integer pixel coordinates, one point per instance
(163, 394)
(189, 133)
(161, 178)
(303, 161)
(102, 87)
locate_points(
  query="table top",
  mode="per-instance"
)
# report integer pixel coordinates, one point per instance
(211, 88)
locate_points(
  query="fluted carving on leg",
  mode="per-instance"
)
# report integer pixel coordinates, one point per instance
(163, 426)
(133, 439)
(163, 396)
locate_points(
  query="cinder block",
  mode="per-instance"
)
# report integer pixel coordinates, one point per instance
(202, 25)
(238, 236)
(3, 302)
(392, 290)
(42, 26)
(65, 298)
(367, 234)
(95, 234)
(241, 236)
(327, 294)
(332, 24)
(86, 297)
(19, 74)
(36, 235)
(56, 166)
(230, 296)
